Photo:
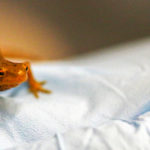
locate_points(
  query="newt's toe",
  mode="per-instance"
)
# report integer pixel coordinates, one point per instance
(34, 92)
(37, 87)
(42, 82)
(45, 91)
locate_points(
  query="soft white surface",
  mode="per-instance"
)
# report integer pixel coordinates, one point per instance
(100, 101)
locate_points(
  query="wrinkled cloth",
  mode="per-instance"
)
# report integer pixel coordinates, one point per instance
(97, 102)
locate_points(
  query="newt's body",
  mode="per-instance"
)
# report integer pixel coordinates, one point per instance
(13, 74)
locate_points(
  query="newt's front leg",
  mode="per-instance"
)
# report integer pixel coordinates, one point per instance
(35, 86)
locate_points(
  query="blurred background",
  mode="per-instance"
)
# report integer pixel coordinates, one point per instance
(46, 29)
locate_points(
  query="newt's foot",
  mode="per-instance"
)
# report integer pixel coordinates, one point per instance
(36, 87)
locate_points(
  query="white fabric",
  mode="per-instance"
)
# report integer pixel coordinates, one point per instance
(100, 101)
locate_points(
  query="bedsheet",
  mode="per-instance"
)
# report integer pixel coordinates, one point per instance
(98, 102)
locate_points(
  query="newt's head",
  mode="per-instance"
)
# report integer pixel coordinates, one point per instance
(12, 74)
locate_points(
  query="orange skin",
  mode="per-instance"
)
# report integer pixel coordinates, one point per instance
(12, 74)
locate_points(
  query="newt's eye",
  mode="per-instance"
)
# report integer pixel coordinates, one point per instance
(27, 68)
(2, 72)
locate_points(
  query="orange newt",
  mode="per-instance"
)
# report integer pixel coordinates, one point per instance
(12, 74)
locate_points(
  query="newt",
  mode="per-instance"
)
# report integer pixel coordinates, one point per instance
(13, 74)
